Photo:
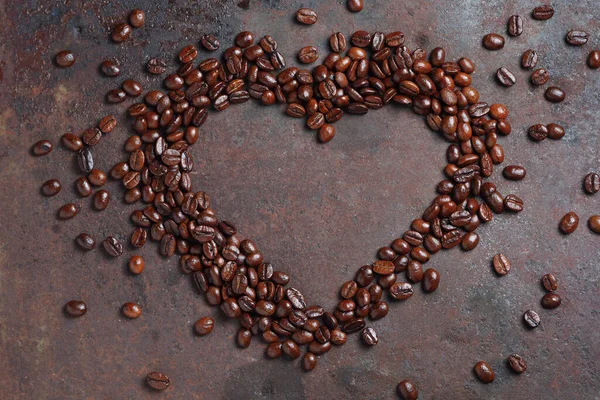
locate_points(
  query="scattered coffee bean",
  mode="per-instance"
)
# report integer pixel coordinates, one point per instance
(568, 223)
(515, 25)
(85, 160)
(156, 66)
(529, 59)
(577, 38)
(209, 42)
(204, 326)
(407, 390)
(136, 265)
(540, 77)
(532, 319)
(493, 41)
(76, 308)
(85, 241)
(68, 211)
(121, 33)
(97, 177)
(484, 372)
(594, 223)
(42, 148)
(101, 199)
(51, 187)
(431, 280)
(157, 381)
(555, 131)
(110, 68)
(137, 18)
(538, 132)
(551, 301)
(309, 362)
(83, 186)
(513, 203)
(131, 310)
(369, 336)
(337, 42)
(113, 246)
(132, 88)
(72, 142)
(554, 94)
(517, 363)
(326, 133)
(591, 183)
(550, 282)
(505, 77)
(355, 5)
(116, 96)
(501, 264)
(514, 172)
(308, 54)
(469, 241)
(65, 58)
(306, 16)
(543, 12)
(593, 60)
(401, 290)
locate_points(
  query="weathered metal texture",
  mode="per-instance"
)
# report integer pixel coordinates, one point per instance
(317, 211)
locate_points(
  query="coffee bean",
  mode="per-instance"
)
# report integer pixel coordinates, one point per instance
(157, 381)
(568, 223)
(131, 310)
(469, 241)
(309, 362)
(136, 265)
(501, 264)
(42, 148)
(132, 88)
(83, 187)
(85, 241)
(383, 267)
(550, 282)
(113, 246)
(593, 60)
(517, 363)
(513, 203)
(156, 66)
(529, 59)
(68, 211)
(532, 319)
(308, 55)
(355, 5)
(75, 308)
(296, 298)
(540, 77)
(354, 325)
(101, 199)
(337, 42)
(110, 68)
(484, 372)
(554, 94)
(537, 132)
(121, 33)
(431, 280)
(594, 223)
(306, 16)
(369, 336)
(361, 38)
(515, 25)
(64, 58)
(543, 13)
(137, 18)
(551, 301)
(51, 187)
(209, 42)
(555, 131)
(514, 172)
(407, 390)
(204, 326)
(505, 77)
(116, 96)
(85, 160)
(274, 350)
(401, 290)
(577, 37)
(591, 183)
(493, 41)
(243, 338)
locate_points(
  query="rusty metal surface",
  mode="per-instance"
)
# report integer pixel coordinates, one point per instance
(316, 211)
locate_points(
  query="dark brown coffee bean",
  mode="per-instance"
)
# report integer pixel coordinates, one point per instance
(157, 381)
(309, 362)
(513, 203)
(355, 5)
(568, 223)
(42, 148)
(296, 298)
(550, 282)
(554, 94)
(469, 241)
(132, 88)
(131, 310)
(156, 66)
(551, 301)
(407, 390)
(204, 326)
(72, 142)
(101, 199)
(361, 38)
(514, 172)
(121, 33)
(68, 211)
(577, 37)
(594, 223)
(537, 132)
(51, 187)
(110, 68)
(591, 183)
(493, 41)
(401, 290)
(116, 96)
(354, 325)
(515, 25)
(543, 13)
(64, 58)
(209, 42)
(555, 131)
(113, 246)
(308, 54)
(369, 336)
(484, 372)
(85, 241)
(593, 60)
(136, 265)
(75, 308)
(517, 363)
(540, 77)
(431, 280)
(501, 264)
(532, 319)
(383, 267)
(137, 18)
(529, 59)
(326, 133)
(306, 16)
(337, 42)
(505, 77)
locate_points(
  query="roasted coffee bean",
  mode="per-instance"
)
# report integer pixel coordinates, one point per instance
(594, 223)
(515, 25)
(383, 267)
(355, 5)
(543, 12)
(85, 241)
(514, 172)
(64, 58)
(493, 41)
(401, 290)
(308, 55)
(75, 308)
(309, 362)
(274, 350)
(484, 372)
(337, 42)
(431, 280)
(501, 264)
(591, 183)
(296, 298)
(101, 199)
(505, 77)
(517, 363)
(157, 381)
(326, 133)
(540, 77)
(532, 319)
(354, 325)
(529, 59)
(68, 211)
(513, 203)
(378, 310)
(554, 94)
(204, 326)
(72, 142)
(136, 265)
(306, 16)
(131, 310)
(551, 301)
(568, 223)
(42, 148)
(51, 187)
(137, 18)
(113, 246)
(369, 336)
(116, 96)
(550, 282)
(209, 42)
(156, 66)
(537, 132)
(110, 68)
(132, 88)
(469, 241)
(319, 348)
(121, 33)
(555, 131)
(593, 60)
(407, 390)
(577, 37)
